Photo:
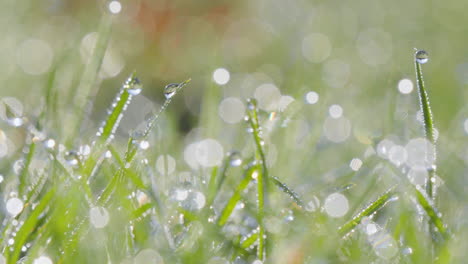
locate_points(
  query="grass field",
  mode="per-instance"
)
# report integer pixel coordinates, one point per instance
(233, 132)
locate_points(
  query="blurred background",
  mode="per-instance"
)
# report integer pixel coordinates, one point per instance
(332, 78)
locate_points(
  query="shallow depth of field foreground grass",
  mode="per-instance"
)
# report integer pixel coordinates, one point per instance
(233, 132)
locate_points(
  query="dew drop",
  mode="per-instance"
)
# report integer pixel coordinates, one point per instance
(71, 157)
(143, 144)
(221, 76)
(115, 7)
(251, 103)
(235, 158)
(133, 85)
(49, 143)
(170, 90)
(421, 56)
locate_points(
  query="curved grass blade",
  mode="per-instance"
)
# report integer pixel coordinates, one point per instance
(262, 177)
(421, 57)
(227, 211)
(30, 225)
(375, 206)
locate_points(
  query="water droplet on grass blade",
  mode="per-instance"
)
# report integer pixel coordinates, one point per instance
(170, 90)
(251, 103)
(133, 86)
(235, 158)
(421, 56)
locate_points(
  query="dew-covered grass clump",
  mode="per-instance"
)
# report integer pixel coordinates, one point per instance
(232, 132)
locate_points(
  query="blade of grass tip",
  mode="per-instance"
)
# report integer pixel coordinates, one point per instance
(29, 225)
(227, 211)
(371, 209)
(92, 69)
(292, 194)
(422, 57)
(262, 177)
(169, 92)
(428, 205)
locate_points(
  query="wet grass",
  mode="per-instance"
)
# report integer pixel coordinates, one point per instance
(107, 204)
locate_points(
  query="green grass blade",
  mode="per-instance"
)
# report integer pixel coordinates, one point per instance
(431, 211)
(249, 240)
(262, 177)
(292, 194)
(427, 114)
(30, 224)
(227, 211)
(375, 206)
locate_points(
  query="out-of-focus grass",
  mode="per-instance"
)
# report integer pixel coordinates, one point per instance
(352, 55)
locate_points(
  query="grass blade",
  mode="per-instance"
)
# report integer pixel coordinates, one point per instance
(262, 177)
(30, 225)
(421, 57)
(375, 206)
(227, 211)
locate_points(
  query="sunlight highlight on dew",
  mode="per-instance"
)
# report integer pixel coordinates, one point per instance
(115, 7)
(43, 260)
(99, 217)
(311, 97)
(421, 153)
(337, 129)
(231, 110)
(316, 47)
(165, 164)
(268, 97)
(355, 164)
(221, 76)
(335, 111)
(405, 86)
(34, 56)
(14, 206)
(397, 155)
(209, 153)
(336, 205)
